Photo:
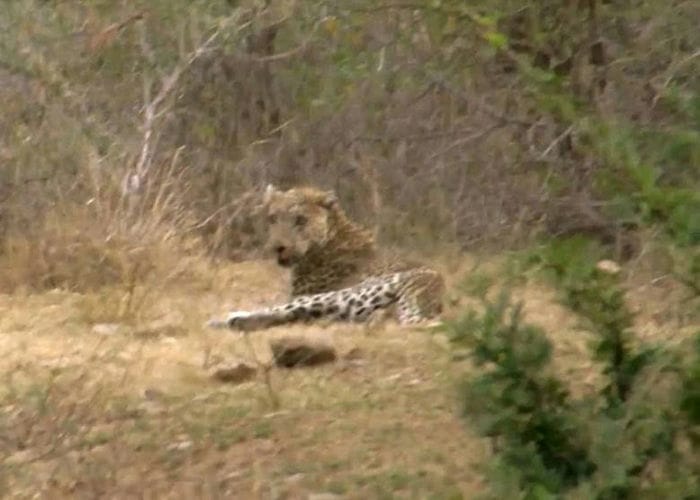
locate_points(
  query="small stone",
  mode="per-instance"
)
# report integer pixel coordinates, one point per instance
(152, 394)
(236, 373)
(276, 414)
(289, 352)
(324, 496)
(19, 457)
(180, 446)
(608, 266)
(105, 328)
(294, 478)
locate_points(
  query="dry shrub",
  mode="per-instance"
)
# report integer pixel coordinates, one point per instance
(110, 240)
(236, 230)
(75, 252)
(68, 257)
(430, 141)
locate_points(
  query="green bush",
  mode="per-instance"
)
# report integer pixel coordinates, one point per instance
(516, 401)
(640, 423)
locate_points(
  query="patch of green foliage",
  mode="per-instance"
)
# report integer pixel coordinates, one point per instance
(635, 435)
(651, 175)
(516, 401)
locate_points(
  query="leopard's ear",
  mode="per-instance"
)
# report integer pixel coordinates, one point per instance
(329, 199)
(270, 190)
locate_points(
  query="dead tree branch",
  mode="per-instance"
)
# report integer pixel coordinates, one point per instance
(154, 108)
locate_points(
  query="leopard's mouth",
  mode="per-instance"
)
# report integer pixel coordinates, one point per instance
(285, 261)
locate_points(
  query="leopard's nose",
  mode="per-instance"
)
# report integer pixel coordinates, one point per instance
(283, 255)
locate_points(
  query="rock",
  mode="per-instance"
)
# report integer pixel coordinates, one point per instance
(608, 267)
(289, 352)
(152, 394)
(106, 328)
(324, 496)
(392, 378)
(180, 446)
(19, 458)
(294, 478)
(235, 373)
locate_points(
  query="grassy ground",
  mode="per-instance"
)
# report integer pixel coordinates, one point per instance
(109, 393)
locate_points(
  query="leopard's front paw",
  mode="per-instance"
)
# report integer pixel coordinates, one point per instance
(241, 320)
(217, 323)
(237, 320)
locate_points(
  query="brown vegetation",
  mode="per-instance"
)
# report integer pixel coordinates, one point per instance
(136, 138)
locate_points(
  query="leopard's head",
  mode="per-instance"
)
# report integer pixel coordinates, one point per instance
(300, 219)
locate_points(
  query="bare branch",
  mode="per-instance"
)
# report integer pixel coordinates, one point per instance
(556, 141)
(296, 50)
(152, 107)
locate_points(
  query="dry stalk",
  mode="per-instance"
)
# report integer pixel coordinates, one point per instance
(368, 173)
(265, 369)
(154, 108)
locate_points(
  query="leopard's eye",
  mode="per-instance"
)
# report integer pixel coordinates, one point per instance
(300, 221)
(272, 218)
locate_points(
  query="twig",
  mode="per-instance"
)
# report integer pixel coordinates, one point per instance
(108, 35)
(556, 141)
(151, 112)
(677, 65)
(442, 83)
(292, 52)
(427, 136)
(463, 140)
(671, 72)
(265, 369)
(167, 85)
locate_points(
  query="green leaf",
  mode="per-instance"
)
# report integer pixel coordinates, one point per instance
(496, 39)
(539, 492)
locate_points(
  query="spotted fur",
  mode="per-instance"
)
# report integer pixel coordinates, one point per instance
(336, 271)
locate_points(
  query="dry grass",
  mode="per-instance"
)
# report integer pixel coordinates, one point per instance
(129, 409)
(87, 411)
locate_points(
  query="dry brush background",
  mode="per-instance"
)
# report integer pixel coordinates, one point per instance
(135, 137)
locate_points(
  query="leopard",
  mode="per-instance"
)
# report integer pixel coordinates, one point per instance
(336, 269)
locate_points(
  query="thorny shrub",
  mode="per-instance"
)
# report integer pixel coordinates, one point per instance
(635, 435)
